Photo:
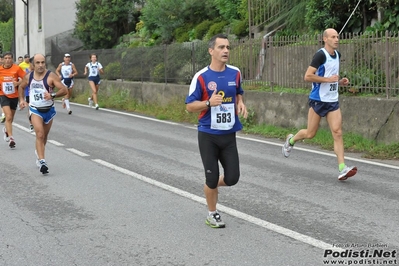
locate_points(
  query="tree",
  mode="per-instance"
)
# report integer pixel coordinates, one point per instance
(6, 10)
(228, 9)
(100, 23)
(163, 17)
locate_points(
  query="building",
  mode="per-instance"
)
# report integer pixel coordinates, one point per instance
(41, 23)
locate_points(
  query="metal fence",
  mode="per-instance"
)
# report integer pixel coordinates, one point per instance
(369, 61)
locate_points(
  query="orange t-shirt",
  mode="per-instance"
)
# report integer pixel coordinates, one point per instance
(7, 77)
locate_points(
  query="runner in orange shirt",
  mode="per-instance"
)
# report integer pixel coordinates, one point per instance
(10, 77)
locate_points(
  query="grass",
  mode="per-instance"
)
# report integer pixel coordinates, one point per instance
(175, 111)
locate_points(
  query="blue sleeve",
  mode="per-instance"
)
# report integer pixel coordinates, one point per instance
(195, 92)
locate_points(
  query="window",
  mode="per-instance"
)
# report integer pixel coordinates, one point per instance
(39, 15)
(25, 19)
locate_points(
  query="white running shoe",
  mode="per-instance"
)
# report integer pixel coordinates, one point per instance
(215, 221)
(287, 147)
(3, 118)
(5, 137)
(90, 102)
(97, 106)
(347, 172)
(31, 128)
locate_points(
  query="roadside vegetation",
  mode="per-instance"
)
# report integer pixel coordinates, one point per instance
(175, 111)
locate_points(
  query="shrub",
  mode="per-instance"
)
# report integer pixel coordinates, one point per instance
(113, 71)
(202, 28)
(240, 28)
(215, 29)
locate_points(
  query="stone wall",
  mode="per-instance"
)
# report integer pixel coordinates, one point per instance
(373, 118)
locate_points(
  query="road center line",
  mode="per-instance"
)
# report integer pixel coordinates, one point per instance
(259, 222)
(75, 151)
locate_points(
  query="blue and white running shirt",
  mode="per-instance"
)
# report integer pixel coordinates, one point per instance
(94, 69)
(327, 65)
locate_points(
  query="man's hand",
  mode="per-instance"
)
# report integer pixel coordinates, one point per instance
(333, 78)
(344, 81)
(216, 99)
(242, 109)
(23, 104)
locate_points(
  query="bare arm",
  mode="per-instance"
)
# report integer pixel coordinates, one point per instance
(199, 106)
(55, 82)
(85, 72)
(74, 71)
(311, 76)
(21, 92)
(241, 108)
(58, 70)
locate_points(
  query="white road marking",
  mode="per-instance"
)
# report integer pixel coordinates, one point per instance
(129, 114)
(259, 222)
(77, 152)
(324, 153)
(56, 143)
(314, 151)
(22, 127)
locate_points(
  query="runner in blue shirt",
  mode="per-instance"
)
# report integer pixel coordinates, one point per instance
(216, 93)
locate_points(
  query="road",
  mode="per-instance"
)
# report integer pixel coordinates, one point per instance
(126, 189)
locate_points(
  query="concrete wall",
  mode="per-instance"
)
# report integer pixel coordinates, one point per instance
(373, 118)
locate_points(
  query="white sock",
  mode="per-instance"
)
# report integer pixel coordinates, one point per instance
(66, 101)
(212, 212)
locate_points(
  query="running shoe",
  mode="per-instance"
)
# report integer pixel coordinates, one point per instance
(69, 112)
(6, 138)
(43, 167)
(3, 118)
(90, 102)
(31, 128)
(215, 221)
(12, 143)
(347, 172)
(287, 147)
(63, 103)
(97, 106)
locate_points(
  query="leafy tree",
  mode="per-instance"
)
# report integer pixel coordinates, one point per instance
(6, 10)
(335, 13)
(228, 9)
(100, 23)
(163, 17)
(6, 34)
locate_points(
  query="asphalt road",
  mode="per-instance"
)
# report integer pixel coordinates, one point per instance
(125, 189)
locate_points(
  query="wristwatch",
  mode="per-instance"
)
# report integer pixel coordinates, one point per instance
(208, 103)
(53, 94)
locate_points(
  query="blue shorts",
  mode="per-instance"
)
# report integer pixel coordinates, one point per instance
(46, 115)
(323, 108)
(68, 83)
(95, 79)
